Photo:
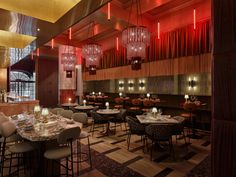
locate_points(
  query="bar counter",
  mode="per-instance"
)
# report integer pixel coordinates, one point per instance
(17, 107)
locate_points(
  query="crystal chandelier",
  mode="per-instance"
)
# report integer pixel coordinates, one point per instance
(68, 59)
(136, 39)
(92, 53)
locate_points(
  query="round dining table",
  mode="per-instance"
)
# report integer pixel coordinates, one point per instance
(108, 114)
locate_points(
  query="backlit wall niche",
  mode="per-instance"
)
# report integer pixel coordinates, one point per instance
(192, 84)
(130, 85)
(142, 85)
(121, 84)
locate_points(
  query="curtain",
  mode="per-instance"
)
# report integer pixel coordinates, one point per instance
(178, 43)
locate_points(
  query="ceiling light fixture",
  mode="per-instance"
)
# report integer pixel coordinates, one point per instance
(136, 39)
(92, 52)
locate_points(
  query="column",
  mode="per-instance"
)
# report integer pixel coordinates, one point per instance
(224, 88)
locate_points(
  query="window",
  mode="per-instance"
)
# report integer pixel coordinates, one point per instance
(22, 84)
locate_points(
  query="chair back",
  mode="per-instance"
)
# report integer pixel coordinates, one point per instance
(7, 128)
(160, 132)
(66, 113)
(3, 118)
(179, 127)
(80, 117)
(148, 103)
(68, 135)
(95, 116)
(121, 115)
(190, 106)
(135, 126)
(119, 100)
(136, 102)
(57, 110)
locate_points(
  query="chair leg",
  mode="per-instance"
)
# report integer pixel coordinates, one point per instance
(18, 164)
(72, 166)
(67, 168)
(128, 140)
(89, 151)
(151, 150)
(3, 157)
(10, 165)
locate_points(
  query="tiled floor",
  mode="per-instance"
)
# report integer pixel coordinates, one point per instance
(186, 158)
(111, 158)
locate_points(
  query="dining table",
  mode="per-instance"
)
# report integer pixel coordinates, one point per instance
(84, 108)
(43, 134)
(108, 114)
(156, 119)
(68, 105)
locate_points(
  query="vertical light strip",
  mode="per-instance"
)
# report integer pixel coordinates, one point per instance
(70, 33)
(117, 43)
(52, 44)
(194, 19)
(158, 30)
(109, 11)
(37, 52)
(32, 55)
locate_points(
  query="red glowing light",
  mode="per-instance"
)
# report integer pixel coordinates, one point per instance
(37, 52)
(117, 43)
(158, 30)
(52, 44)
(70, 33)
(109, 11)
(194, 19)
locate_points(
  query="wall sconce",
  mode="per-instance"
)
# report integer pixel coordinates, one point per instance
(142, 85)
(130, 85)
(192, 83)
(121, 85)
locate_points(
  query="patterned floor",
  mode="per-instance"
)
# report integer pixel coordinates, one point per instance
(110, 157)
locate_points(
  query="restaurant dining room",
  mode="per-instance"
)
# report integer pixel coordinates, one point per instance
(118, 88)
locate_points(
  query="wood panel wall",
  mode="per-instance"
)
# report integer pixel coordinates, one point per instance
(47, 81)
(183, 65)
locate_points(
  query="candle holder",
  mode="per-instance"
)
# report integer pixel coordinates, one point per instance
(154, 111)
(186, 97)
(45, 114)
(37, 111)
(148, 95)
(120, 94)
(107, 105)
(99, 93)
(84, 102)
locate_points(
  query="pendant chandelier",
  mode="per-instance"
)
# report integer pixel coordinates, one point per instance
(136, 39)
(68, 56)
(92, 52)
(68, 59)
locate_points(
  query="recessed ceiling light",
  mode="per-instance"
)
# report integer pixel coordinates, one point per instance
(38, 29)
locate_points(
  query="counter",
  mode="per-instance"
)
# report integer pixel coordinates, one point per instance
(18, 107)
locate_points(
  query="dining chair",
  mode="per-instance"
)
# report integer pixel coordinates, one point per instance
(66, 113)
(190, 108)
(178, 129)
(118, 103)
(80, 117)
(135, 128)
(57, 110)
(158, 133)
(19, 149)
(65, 149)
(119, 119)
(97, 120)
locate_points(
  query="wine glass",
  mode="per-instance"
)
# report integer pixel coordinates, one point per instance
(159, 111)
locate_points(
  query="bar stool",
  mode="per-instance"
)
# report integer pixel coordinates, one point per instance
(65, 148)
(8, 129)
(82, 118)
